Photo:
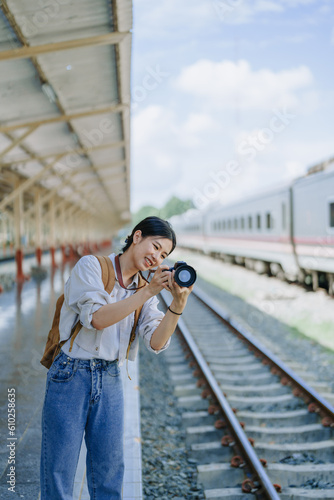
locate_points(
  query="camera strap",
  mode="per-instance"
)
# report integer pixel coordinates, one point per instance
(120, 278)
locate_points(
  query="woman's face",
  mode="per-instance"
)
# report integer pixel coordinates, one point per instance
(150, 251)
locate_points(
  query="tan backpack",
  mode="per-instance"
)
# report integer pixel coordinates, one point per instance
(53, 343)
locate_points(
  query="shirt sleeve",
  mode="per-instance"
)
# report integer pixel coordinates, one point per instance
(84, 290)
(149, 319)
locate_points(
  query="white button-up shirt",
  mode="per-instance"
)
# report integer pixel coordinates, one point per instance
(84, 294)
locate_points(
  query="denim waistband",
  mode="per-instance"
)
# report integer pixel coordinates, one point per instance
(86, 363)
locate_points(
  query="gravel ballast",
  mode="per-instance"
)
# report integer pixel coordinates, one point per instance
(168, 472)
(296, 324)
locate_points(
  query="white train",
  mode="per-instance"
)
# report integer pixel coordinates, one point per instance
(287, 232)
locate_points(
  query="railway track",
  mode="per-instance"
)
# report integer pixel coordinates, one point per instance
(255, 428)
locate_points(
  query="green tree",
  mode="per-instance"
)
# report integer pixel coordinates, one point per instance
(143, 212)
(174, 206)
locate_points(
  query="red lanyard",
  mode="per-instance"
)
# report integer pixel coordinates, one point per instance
(119, 275)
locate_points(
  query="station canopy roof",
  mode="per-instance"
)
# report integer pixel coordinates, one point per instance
(65, 104)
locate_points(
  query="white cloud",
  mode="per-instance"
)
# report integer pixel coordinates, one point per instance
(170, 153)
(214, 103)
(225, 83)
(180, 18)
(175, 150)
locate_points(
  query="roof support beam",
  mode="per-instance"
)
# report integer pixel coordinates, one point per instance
(99, 168)
(28, 183)
(37, 50)
(116, 108)
(17, 142)
(73, 151)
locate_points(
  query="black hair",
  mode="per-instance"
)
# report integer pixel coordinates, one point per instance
(152, 226)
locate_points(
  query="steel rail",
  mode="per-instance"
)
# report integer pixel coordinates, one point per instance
(241, 439)
(321, 402)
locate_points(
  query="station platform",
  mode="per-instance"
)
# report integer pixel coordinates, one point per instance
(26, 312)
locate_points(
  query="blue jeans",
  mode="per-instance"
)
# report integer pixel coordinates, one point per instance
(83, 397)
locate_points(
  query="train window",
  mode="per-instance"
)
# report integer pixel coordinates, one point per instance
(250, 222)
(242, 223)
(224, 225)
(331, 214)
(235, 223)
(258, 221)
(229, 224)
(283, 216)
(268, 220)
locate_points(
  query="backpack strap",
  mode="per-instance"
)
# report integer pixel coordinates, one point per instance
(108, 272)
(108, 278)
(141, 283)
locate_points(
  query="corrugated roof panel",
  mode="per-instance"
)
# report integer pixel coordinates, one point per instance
(105, 156)
(21, 96)
(99, 129)
(82, 80)
(59, 20)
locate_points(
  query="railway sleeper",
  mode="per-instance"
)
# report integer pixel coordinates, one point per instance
(299, 475)
(305, 433)
(228, 494)
(255, 390)
(194, 402)
(223, 352)
(212, 451)
(218, 475)
(227, 360)
(265, 403)
(191, 388)
(194, 418)
(302, 494)
(181, 369)
(239, 368)
(278, 419)
(203, 434)
(264, 378)
(287, 494)
(231, 348)
(215, 479)
(270, 420)
(184, 378)
(313, 452)
(187, 390)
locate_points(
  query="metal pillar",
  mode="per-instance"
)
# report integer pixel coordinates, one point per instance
(38, 227)
(4, 232)
(18, 233)
(63, 234)
(315, 280)
(330, 278)
(52, 232)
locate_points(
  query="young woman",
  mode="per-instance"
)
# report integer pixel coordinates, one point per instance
(84, 390)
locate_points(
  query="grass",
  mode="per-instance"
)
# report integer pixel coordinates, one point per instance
(301, 323)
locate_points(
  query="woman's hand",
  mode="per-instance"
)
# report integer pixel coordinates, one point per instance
(159, 280)
(180, 293)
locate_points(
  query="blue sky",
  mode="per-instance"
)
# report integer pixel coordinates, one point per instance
(229, 97)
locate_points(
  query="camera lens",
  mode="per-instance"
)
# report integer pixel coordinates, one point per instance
(185, 275)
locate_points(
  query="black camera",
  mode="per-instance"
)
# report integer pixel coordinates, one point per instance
(184, 275)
